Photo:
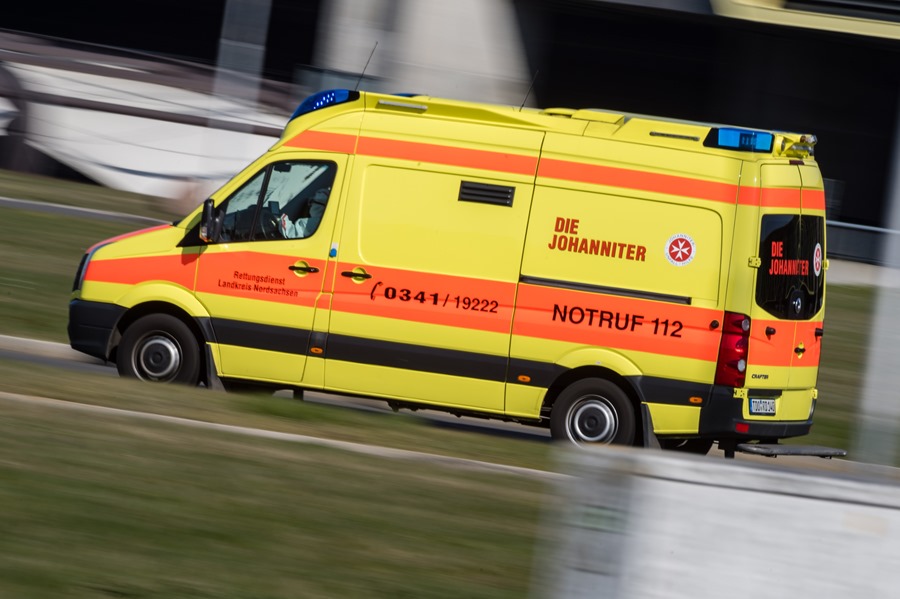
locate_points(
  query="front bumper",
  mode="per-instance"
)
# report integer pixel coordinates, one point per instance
(91, 325)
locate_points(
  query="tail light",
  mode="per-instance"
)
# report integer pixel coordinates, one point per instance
(731, 367)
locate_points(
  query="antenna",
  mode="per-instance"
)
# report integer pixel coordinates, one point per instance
(530, 87)
(361, 75)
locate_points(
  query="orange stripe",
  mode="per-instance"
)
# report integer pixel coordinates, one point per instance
(634, 179)
(420, 152)
(617, 322)
(748, 196)
(806, 333)
(259, 276)
(178, 269)
(813, 199)
(127, 235)
(776, 197)
(454, 156)
(428, 298)
(320, 140)
(559, 169)
(778, 350)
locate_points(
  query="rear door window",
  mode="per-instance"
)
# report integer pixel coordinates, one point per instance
(790, 282)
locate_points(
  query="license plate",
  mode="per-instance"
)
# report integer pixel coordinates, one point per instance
(762, 407)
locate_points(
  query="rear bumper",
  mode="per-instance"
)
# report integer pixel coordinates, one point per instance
(722, 418)
(91, 324)
(721, 414)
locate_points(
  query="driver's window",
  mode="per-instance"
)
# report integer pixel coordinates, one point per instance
(284, 201)
(240, 210)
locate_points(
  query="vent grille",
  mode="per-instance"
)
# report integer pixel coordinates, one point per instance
(498, 195)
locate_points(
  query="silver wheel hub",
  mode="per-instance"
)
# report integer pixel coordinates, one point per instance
(158, 358)
(593, 419)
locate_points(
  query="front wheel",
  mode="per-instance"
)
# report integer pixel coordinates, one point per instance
(159, 348)
(593, 411)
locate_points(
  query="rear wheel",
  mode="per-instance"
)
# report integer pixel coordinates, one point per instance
(159, 348)
(593, 410)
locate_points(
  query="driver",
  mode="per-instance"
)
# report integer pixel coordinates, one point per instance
(305, 226)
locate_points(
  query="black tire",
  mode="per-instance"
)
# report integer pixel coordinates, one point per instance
(593, 411)
(696, 446)
(159, 348)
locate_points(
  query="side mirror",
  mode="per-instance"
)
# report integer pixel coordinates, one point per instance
(208, 222)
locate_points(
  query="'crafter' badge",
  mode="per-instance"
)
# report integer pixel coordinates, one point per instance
(680, 249)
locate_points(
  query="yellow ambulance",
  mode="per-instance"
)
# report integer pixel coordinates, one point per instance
(613, 277)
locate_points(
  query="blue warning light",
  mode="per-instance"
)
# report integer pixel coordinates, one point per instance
(744, 140)
(324, 99)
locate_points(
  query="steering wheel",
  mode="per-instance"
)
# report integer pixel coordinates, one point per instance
(268, 223)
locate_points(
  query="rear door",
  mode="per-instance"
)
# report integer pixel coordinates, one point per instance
(789, 289)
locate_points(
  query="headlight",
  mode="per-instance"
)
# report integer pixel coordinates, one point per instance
(82, 267)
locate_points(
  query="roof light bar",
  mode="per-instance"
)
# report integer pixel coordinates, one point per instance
(324, 99)
(744, 140)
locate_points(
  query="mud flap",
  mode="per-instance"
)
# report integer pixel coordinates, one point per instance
(650, 440)
(212, 379)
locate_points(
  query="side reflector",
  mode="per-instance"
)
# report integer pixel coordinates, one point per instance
(523, 378)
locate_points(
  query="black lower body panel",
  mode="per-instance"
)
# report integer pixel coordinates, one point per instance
(91, 325)
(722, 418)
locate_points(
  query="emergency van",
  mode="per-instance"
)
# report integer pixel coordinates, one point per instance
(614, 277)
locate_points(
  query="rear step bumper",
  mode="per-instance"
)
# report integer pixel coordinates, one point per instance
(776, 449)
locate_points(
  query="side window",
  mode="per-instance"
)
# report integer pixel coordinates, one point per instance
(286, 200)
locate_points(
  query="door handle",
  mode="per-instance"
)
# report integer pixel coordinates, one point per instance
(800, 350)
(303, 268)
(356, 275)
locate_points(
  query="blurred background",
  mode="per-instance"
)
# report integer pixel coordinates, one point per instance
(145, 108)
(172, 96)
